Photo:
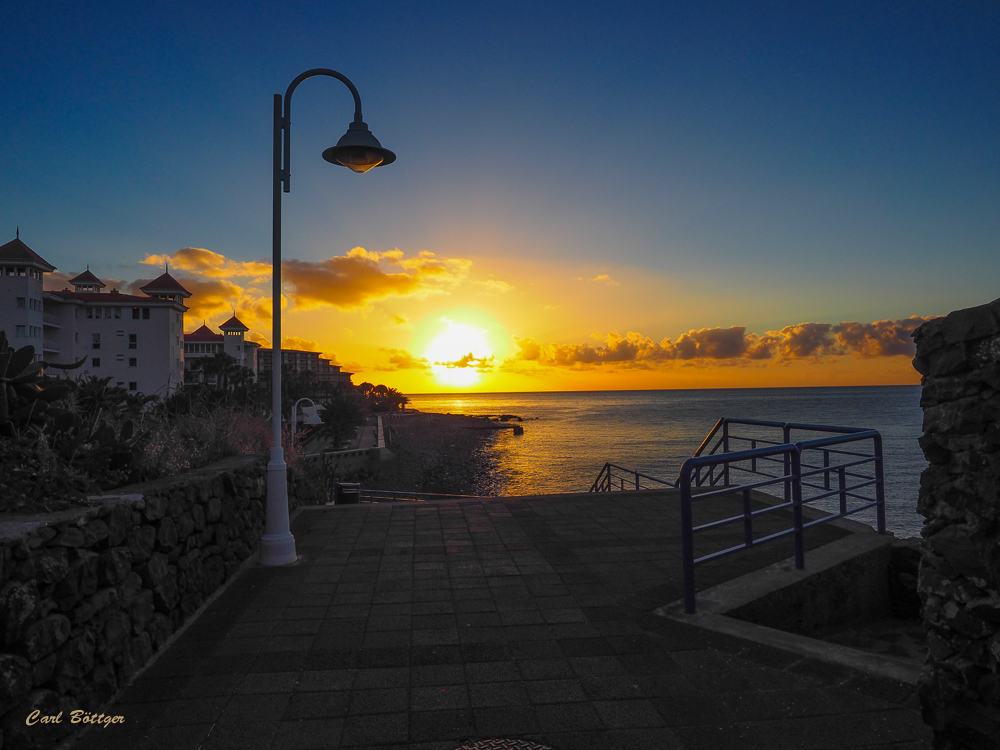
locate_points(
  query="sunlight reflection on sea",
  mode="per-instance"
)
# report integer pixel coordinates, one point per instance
(568, 436)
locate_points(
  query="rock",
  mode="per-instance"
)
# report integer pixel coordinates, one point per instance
(119, 521)
(45, 636)
(76, 659)
(15, 678)
(213, 510)
(95, 532)
(80, 581)
(166, 535)
(20, 606)
(141, 611)
(42, 670)
(141, 543)
(71, 536)
(156, 508)
(114, 565)
(51, 565)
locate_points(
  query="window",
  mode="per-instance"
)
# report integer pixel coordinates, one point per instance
(20, 270)
(118, 312)
(133, 341)
(76, 338)
(145, 313)
(22, 330)
(119, 357)
(120, 383)
(95, 341)
(90, 312)
(132, 385)
(135, 313)
(133, 362)
(8, 271)
(95, 361)
(20, 303)
(120, 334)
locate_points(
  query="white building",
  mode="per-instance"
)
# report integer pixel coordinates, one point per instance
(204, 343)
(137, 340)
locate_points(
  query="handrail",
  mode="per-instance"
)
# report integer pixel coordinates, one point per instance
(795, 471)
(606, 479)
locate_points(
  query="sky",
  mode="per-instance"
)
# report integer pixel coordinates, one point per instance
(587, 195)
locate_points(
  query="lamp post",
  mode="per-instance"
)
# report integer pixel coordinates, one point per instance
(359, 151)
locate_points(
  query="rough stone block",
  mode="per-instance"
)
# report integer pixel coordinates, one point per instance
(71, 536)
(213, 510)
(94, 532)
(156, 508)
(119, 521)
(129, 588)
(166, 534)
(76, 659)
(141, 611)
(970, 324)
(950, 360)
(45, 636)
(155, 571)
(141, 543)
(42, 670)
(51, 565)
(114, 565)
(160, 629)
(20, 605)
(15, 678)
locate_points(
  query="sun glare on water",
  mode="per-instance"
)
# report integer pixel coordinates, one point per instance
(457, 353)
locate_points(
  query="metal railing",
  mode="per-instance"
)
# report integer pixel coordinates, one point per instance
(806, 472)
(353, 492)
(613, 478)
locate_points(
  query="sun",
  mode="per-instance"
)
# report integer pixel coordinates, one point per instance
(458, 354)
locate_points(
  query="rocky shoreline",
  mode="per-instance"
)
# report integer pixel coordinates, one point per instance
(450, 454)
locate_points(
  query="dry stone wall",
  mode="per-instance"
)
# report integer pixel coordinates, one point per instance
(959, 581)
(87, 596)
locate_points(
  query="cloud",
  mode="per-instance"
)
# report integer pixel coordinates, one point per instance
(480, 364)
(604, 279)
(207, 263)
(303, 345)
(400, 359)
(731, 345)
(258, 339)
(883, 338)
(359, 278)
(495, 285)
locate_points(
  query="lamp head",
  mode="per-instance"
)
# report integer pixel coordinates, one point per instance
(359, 150)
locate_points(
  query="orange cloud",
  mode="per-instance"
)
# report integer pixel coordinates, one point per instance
(400, 359)
(303, 345)
(358, 278)
(604, 279)
(214, 265)
(731, 345)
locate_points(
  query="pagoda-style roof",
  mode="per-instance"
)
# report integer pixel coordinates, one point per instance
(233, 324)
(17, 251)
(203, 334)
(87, 279)
(165, 284)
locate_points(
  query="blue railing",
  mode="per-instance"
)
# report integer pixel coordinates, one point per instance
(806, 472)
(613, 478)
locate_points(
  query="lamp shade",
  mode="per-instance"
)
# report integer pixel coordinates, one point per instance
(359, 150)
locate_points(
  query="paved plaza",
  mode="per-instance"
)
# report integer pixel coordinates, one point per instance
(439, 625)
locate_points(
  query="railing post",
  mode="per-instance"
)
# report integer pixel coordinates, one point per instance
(786, 434)
(725, 449)
(637, 480)
(842, 478)
(796, 461)
(753, 461)
(826, 465)
(687, 543)
(747, 519)
(879, 484)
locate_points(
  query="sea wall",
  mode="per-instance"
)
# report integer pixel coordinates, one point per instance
(959, 581)
(88, 595)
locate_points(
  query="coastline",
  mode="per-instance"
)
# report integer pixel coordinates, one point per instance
(449, 454)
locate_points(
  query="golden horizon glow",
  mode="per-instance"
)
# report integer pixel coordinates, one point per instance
(455, 354)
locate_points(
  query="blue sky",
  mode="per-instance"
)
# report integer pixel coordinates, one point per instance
(781, 162)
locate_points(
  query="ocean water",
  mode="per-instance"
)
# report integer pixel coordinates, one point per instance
(568, 436)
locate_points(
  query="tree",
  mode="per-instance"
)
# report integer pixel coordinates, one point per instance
(342, 414)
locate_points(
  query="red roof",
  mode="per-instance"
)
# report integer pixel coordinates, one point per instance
(164, 283)
(17, 251)
(87, 278)
(233, 324)
(203, 334)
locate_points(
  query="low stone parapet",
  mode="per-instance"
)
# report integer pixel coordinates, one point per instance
(88, 595)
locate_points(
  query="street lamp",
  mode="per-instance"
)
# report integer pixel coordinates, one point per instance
(359, 151)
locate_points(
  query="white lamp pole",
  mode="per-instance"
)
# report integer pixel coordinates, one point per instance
(359, 151)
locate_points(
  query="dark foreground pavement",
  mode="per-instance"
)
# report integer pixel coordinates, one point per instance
(434, 626)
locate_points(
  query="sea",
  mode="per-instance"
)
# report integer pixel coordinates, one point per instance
(569, 435)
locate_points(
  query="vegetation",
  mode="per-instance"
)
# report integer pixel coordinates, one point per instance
(62, 439)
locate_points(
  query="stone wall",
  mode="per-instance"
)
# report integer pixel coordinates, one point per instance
(87, 596)
(959, 357)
